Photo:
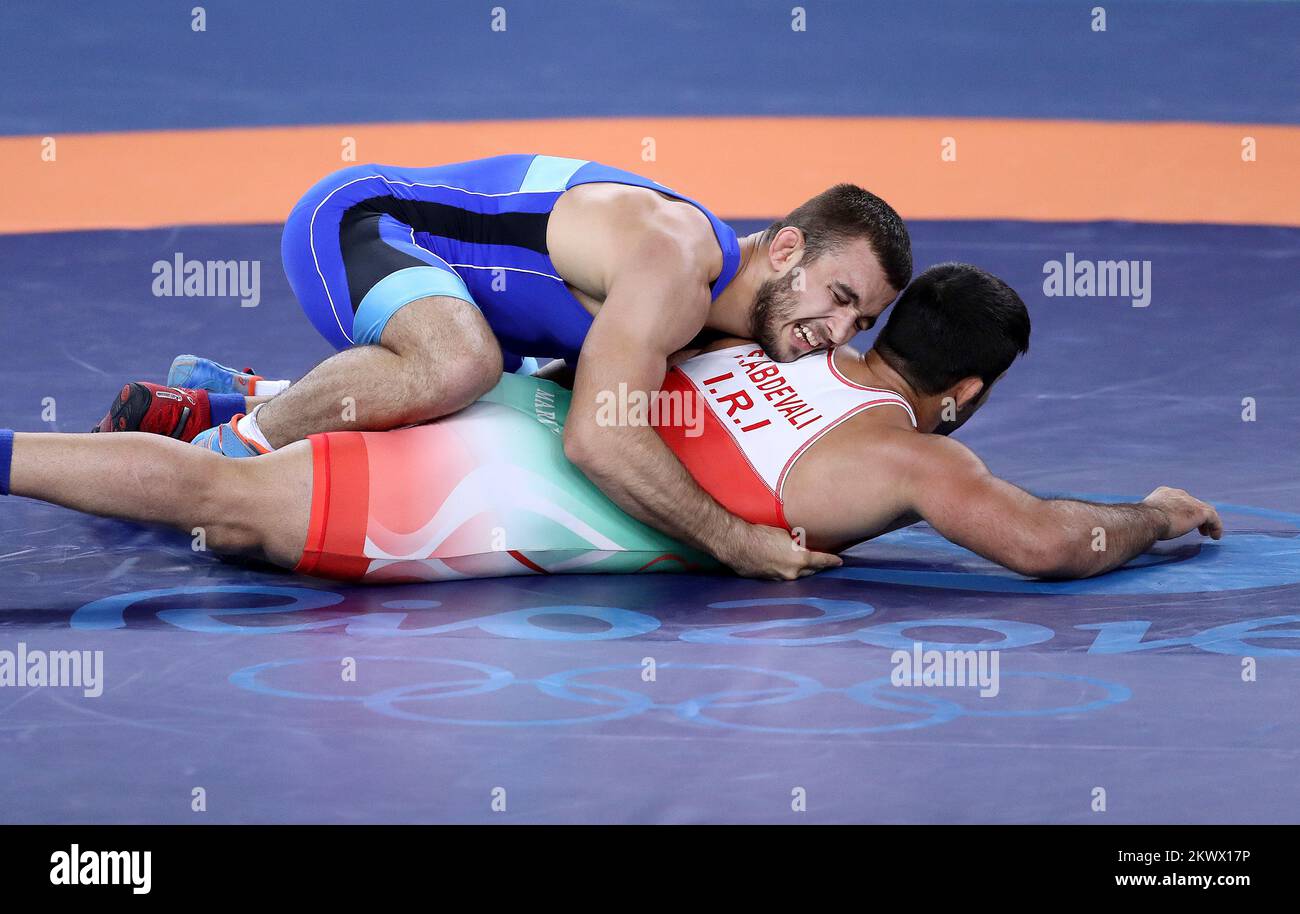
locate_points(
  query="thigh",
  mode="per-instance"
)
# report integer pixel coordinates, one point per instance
(386, 271)
(379, 507)
(352, 266)
(438, 327)
(483, 493)
(452, 330)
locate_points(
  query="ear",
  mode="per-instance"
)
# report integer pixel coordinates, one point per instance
(786, 248)
(967, 391)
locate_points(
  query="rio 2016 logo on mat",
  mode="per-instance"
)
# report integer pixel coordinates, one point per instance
(1258, 561)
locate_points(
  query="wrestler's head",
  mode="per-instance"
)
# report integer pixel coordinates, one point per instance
(833, 265)
(951, 335)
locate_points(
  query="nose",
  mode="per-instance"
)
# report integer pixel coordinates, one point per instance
(843, 331)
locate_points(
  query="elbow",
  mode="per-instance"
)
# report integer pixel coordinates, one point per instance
(1045, 570)
(578, 449)
(1048, 557)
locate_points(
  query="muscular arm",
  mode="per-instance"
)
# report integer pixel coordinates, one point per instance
(656, 301)
(951, 488)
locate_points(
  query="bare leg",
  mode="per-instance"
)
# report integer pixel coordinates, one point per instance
(256, 506)
(437, 355)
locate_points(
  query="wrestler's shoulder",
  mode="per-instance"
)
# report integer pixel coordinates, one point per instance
(639, 210)
(883, 438)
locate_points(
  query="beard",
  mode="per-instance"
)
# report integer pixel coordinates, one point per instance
(774, 308)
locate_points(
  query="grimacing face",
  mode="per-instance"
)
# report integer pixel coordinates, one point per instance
(820, 304)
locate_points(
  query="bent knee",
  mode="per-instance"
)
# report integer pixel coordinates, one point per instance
(230, 519)
(449, 355)
(470, 373)
(438, 325)
(444, 379)
(452, 384)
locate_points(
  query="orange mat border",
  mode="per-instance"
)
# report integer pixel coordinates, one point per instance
(740, 167)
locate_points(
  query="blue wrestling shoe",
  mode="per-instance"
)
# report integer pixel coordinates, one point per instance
(194, 373)
(225, 439)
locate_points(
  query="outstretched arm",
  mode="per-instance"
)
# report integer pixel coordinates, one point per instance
(951, 488)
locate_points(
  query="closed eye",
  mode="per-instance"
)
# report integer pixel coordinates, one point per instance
(843, 294)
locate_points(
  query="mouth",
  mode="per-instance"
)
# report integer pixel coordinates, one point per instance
(807, 335)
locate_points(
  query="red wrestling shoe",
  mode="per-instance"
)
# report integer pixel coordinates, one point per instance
(176, 412)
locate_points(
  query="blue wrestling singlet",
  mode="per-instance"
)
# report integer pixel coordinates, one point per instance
(369, 239)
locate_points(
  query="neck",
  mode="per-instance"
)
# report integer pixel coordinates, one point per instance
(731, 312)
(871, 370)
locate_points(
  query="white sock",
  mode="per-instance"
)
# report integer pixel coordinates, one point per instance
(249, 428)
(265, 388)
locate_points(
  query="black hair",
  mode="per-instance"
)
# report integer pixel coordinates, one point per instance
(844, 212)
(954, 321)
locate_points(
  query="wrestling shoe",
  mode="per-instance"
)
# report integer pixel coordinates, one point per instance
(225, 439)
(176, 412)
(193, 372)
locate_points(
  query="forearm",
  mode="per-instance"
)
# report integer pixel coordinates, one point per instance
(627, 461)
(1092, 538)
(1043, 538)
(638, 472)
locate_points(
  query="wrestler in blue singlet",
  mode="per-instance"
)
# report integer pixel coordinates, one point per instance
(369, 239)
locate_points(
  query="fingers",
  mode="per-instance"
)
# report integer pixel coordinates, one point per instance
(772, 555)
(821, 560)
(815, 562)
(1213, 524)
(1186, 513)
(808, 564)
